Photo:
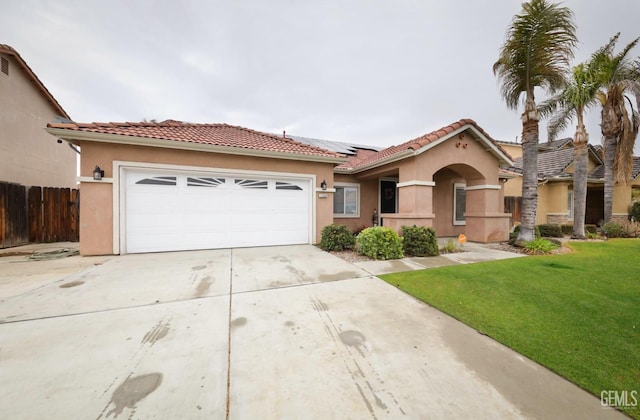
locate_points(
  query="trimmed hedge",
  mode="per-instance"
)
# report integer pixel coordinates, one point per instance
(635, 211)
(379, 243)
(567, 229)
(337, 238)
(419, 241)
(550, 231)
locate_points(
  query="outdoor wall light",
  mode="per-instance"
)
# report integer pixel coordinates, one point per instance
(98, 173)
(323, 185)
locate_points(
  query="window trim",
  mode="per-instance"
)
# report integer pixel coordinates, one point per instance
(456, 186)
(570, 203)
(338, 185)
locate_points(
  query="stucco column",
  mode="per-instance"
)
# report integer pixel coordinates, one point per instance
(485, 219)
(96, 224)
(415, 205)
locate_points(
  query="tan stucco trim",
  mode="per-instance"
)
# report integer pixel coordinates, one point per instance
(90, 179)
(118, 193)
(483, 187)
(415, 182)
(75, 136)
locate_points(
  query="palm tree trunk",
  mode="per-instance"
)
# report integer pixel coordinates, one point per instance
(580, 167)
(609, 159)
(529, 178)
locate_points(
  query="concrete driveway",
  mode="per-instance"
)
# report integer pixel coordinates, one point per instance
(269, 333)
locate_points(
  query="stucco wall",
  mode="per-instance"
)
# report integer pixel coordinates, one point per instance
(28, 154)
(368, 202)
(96, 217)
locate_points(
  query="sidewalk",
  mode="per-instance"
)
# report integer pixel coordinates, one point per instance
(471, 253)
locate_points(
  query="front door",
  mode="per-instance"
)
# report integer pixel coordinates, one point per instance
(388, 198)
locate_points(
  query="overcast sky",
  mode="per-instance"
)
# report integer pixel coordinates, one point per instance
(376, 72)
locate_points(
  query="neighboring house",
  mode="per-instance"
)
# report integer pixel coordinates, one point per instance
(178, 186)
(555, 183)
(28, 155)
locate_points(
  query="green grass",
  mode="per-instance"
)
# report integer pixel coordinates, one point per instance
(578, 314)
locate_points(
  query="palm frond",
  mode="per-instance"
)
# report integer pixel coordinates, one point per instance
(537, 51)
(561, 120)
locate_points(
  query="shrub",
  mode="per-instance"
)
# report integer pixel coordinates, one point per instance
(419, 241)
(357, 230)
(337, 238)
(592, 235)
(630, 229)
(450, 247)
(516, 230)
(635, 211)
(566, 229)
(379, 243)
(591, 228)
(540, 246)
(612, 230)
(550, 231)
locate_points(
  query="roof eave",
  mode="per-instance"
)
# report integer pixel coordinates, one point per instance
(43, 89)
(384, 161)
(75, 137)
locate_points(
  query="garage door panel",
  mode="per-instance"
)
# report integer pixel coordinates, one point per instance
(179, 211)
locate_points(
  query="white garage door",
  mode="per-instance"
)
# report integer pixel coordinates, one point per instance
(172, 211)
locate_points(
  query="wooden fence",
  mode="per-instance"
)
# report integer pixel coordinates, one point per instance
(38, 214)
(513, 205)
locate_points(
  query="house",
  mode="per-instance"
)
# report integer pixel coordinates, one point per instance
(28, 155)
(555, 183)
(171, 185)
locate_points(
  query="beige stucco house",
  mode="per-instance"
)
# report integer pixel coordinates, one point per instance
(28, 155)
(555, 183)
(177, 186)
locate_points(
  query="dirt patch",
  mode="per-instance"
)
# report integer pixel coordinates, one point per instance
(350, 256)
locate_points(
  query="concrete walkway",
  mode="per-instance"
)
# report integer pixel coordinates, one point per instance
(269, 333)
(470, 253)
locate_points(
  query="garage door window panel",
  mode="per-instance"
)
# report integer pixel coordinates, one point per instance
(205, 182)
(158, 180)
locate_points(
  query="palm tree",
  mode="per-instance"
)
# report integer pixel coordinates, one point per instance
(620, 121)
(578, 95)
(536, 53)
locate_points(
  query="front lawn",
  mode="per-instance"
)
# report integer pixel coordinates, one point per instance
(577, 314)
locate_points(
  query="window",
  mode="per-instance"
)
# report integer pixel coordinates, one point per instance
(159, 180)
(287, 186)
(252, 184)
(204, 182)
(459, 204)
(4, 65)
(346, 200)
(570, 203)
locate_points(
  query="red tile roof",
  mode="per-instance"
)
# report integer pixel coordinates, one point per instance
(359, 161)
(6, 49)
(210, 134)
